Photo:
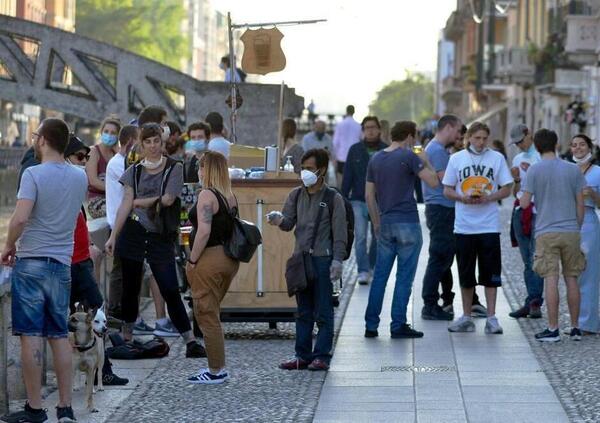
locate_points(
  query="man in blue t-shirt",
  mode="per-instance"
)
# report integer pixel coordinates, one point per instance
(439, 215)
(391, 177)
(48, 202)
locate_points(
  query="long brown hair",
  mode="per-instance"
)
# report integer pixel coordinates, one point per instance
(216, 173)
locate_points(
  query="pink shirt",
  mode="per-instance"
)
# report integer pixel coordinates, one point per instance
(347, 133)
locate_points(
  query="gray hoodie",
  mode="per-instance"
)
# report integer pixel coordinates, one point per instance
(304, 217)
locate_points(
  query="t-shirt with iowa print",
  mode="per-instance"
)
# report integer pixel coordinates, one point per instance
(477, 174)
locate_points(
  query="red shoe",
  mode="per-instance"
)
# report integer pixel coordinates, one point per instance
(294, 364)
(318, 365)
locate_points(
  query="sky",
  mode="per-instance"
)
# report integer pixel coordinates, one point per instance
(363, 45)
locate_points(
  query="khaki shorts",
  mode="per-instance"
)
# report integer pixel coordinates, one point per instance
(553, 247)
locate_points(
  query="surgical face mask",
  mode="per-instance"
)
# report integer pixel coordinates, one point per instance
(108, 139)
(584, 159)
(308, 178)
(151, 165)
(76, 165)
(472, 150)
(166, 133)
(193, 146)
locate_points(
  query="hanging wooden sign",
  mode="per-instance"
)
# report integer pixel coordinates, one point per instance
(262, 51)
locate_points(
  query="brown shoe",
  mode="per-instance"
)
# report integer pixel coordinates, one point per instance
(318, 365)
(294, 364)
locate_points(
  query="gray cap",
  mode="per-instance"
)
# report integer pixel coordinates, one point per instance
(518, 132)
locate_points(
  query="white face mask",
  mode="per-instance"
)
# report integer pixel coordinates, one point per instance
(584, 159)
(166, 133)
(151, 165)
(308, 178)
(472, 150)
(76, 165)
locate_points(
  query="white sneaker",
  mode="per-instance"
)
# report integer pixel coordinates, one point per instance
(363, 278)
(463, 324)
(492, 326)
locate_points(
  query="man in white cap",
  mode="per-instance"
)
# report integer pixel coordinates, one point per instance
(523, 221)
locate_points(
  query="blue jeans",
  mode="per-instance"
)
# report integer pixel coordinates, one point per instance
(402, 241)
(533, 282)
(315, 305)
(365, 261)
(589, 280)
(40, 297)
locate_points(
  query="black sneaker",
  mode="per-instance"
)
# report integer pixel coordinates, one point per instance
(114, 380)
(548, 335)
(65, 415)
(371, 333)
(575, 334)
(28, 415)
(435, 312)
(520, 313)
(194, 350)
(406, 331)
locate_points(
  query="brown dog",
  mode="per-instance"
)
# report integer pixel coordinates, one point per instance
(88, 352)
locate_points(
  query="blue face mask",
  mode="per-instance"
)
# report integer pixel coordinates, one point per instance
(108, 139)
(195, 145)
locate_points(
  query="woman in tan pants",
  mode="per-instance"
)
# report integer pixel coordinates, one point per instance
(209, 270)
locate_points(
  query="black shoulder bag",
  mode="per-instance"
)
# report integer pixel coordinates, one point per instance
(299, 270)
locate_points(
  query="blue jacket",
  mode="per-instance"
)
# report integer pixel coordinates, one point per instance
(355, 171)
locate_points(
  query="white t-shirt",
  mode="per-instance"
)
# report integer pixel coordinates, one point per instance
(467, 172)
(521, 160)
(220, 145)
(114, 190)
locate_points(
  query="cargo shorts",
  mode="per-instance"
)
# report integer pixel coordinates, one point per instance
(559, 247)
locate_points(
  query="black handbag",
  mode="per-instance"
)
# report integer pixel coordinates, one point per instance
(245, 236)
(299, 270)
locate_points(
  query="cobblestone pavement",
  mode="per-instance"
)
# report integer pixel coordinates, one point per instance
(573, 368)
(257, 391)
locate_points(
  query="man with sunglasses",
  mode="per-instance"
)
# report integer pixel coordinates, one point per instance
(523, 221)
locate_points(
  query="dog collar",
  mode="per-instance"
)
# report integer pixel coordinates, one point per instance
(87, 347)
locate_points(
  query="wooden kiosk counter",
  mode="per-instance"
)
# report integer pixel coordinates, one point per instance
(259, 292)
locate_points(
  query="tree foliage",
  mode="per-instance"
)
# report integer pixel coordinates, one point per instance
(410, 99)
(151, 28)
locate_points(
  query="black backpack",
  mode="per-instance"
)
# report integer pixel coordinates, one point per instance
(168, 219)
(245, 237)
(328, 198)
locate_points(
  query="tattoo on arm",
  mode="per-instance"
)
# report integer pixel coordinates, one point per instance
(207, 214)
(37, 354)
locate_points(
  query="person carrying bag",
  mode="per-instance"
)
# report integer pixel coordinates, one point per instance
(320, 248)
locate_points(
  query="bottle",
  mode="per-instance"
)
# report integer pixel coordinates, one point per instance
(288, 167)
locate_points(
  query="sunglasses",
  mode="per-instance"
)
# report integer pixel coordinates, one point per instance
(81, 156)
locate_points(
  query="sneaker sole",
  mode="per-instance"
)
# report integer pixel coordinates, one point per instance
(363, 282)
(498, 332)
(165, 334)
(142, 332)
(471, 329)
(406, 336)
(576, 338)
(534, 316)
(553, 339)
(66, 420)
(445, 319)
(208, 382)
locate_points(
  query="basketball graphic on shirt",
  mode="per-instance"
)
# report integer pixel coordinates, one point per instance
(476, 186)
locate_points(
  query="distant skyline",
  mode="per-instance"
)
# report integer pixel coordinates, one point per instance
(362, 46)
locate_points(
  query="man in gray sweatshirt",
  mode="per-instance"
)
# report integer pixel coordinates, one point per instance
(315, 303)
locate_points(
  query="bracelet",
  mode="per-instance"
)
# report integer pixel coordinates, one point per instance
(192, 262)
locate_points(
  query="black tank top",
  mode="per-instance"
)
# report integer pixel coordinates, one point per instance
(222, 223)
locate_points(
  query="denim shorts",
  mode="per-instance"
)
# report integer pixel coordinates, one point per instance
(40, 297)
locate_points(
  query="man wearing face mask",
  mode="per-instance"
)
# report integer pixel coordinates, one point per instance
(318, 138)
(315, 303)
(523, 221)
(353, 188)
(198, 134)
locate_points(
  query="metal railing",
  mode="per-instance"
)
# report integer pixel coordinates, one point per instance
(10, 157)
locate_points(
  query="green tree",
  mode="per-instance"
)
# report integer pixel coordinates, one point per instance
(410, 99)
(151, 28)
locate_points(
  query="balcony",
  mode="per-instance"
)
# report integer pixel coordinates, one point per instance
(563, 81)
(583, 39)
(513, 66)
(452, 91)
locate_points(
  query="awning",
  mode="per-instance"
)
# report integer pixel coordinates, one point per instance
(493, 111)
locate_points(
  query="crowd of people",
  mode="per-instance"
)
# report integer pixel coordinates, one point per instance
(134, 177)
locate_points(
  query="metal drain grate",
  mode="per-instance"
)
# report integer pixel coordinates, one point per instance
(419, 369)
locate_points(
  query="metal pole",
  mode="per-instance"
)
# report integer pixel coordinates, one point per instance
(232, 74)
(280, 140)
(281, 23)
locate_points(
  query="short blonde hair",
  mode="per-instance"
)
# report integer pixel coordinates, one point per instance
(216, 173)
